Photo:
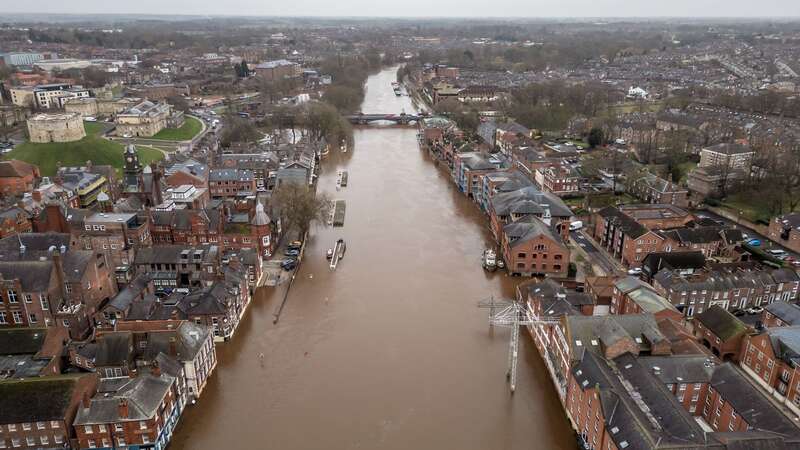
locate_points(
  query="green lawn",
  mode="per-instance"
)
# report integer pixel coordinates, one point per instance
(91, 148)
(189, 130)
(748, 206)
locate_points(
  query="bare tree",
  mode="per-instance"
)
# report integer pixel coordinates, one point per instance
(299, 206)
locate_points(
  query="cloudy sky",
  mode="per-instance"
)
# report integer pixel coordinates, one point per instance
(418, 8)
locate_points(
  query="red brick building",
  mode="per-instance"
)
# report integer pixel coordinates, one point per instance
(38, 413)
(721, 332)
(770, 358)
(530, 247)
(17, 177)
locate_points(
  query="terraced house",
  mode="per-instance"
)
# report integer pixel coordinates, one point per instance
(728, 286)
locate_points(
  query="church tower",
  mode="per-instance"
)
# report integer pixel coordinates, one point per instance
(132, 169)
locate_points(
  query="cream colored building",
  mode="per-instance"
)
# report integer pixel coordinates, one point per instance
(91, 107)
(61, 127)
(144, 119)
(22, 96)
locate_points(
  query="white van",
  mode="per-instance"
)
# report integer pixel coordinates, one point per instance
(575, 226)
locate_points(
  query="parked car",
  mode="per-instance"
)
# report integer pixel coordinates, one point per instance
(754, 243)
(291, 252)
(755, 310)
(289, 264)
(295, 245)
(635, 271)
(776, 252)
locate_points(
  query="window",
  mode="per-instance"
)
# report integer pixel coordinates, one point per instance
(54, 424)
(145, 439)
(117, 427)
(88, 429)
(12, 296)
(68, 288)
(44, 440)
(30, 441)
(521, 255)
(91, 443)
(12, 427)
(3, 318)
(17, 316)
(45, 301)
(142, 425)
(16, 442)
(121, 441)
(58, 439)
(105, 443)
(32, 318)
(26, 426)
(28, 298)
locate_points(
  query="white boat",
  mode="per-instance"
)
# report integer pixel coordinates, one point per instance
(490, 260)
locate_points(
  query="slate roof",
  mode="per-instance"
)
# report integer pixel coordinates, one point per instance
(786, 343)
(529, 199)
(524, 230)
(753, 406)
(36, 244)
(582, 330)
(144, 394)
(114, 349)
(36, 399)
(787, 312)
(230, 175)
(33, 275)
(655, 262)
(21, 341)
(730, 149)
(630, 227)
(723, 324)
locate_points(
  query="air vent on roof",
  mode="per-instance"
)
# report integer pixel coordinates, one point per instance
(623, 444)
(578, 342)
(615, 430)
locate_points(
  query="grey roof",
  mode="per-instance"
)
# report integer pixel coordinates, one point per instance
(525, 198)
(753, 406)
(144, 394)
(786, 343)
(630, 227)
(787, 312)
(230, 175)
(608, 330)
(114, 349)
(125, 297)
(34, 276)
(723, 324)
(524, 230)
(36, 245)
(730, 149)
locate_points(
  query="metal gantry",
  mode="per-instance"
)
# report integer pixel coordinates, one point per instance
(512, 313)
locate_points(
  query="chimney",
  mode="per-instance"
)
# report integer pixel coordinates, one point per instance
(123, 408)
(86, 401)
(60, 277)
(155, 369)
(173, 347)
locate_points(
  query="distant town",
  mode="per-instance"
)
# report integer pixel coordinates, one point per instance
(238, 233)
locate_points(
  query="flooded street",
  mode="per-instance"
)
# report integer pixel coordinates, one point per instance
(390, 350)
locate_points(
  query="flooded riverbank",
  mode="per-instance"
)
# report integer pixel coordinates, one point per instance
(390, 350)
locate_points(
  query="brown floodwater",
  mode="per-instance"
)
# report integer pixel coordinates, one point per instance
(390, 350)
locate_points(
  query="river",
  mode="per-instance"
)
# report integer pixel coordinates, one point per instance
(390, 350)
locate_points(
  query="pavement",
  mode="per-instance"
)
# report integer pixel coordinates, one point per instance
(594, 253)
(766, 243)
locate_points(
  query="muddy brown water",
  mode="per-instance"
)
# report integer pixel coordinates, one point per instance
(390, 350)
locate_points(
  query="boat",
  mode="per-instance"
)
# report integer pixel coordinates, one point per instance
(329, 255)
(489, 260)
(342, 247)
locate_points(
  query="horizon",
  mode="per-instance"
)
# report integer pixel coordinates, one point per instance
(780, 10)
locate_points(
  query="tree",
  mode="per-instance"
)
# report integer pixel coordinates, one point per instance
(238, 130)
(178, 103)
(595, 137)
(344, 98)
(299, 207)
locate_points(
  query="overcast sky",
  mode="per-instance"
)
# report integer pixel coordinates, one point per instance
(418, 8)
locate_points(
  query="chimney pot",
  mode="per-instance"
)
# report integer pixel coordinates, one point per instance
(123, 408)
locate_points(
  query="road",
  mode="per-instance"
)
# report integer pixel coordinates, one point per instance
(766, 243)
(596, 255)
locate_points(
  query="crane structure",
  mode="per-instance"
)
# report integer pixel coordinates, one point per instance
(513, 314)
